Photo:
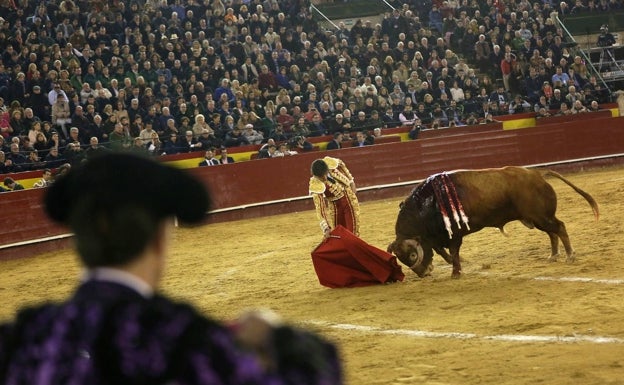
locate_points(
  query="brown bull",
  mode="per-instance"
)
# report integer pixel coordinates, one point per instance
(444, 208)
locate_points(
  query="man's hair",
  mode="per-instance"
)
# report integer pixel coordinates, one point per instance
(319, 167)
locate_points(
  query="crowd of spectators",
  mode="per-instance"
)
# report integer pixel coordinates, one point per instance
(165, 77)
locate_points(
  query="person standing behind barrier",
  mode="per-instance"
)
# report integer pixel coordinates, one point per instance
(46, 179)
(223, 156)
(209, 158)
(334, 193)
(117, 327)
(12, 185)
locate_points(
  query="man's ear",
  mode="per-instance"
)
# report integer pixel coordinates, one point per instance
(162, 239)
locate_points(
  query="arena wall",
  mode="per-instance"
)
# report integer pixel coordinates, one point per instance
(279, 185)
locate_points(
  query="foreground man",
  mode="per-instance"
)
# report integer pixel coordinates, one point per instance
(116, 328)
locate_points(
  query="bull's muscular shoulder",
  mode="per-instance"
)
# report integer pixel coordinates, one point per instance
(316, 186)
(497, 177)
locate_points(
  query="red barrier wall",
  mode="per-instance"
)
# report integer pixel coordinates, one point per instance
(279, 185)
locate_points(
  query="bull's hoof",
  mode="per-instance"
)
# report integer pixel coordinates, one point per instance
(571, 258)
(553, 258)
(456, 275)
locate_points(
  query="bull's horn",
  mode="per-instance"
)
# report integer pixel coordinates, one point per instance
(391, 247)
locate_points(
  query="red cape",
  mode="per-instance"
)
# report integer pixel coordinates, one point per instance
(344, 260)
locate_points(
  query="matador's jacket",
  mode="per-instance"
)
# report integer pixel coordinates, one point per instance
(334, 199)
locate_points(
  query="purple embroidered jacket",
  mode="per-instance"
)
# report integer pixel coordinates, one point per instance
(109, 334)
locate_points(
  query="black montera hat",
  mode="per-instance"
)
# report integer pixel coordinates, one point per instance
(115, 181)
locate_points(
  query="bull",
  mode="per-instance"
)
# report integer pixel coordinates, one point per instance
(445, 207)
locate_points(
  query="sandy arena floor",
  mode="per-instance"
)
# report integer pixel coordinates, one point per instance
(513, 318)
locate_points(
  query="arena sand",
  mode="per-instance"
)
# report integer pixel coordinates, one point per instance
(512, 318)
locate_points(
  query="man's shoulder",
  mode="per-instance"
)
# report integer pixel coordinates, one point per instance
(316, 186)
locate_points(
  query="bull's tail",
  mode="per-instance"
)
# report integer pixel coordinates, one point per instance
(585, 195)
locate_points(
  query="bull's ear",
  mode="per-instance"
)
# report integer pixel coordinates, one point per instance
(391, 247)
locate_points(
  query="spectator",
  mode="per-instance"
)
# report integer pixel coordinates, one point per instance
(94, 148)
(560, 79)
(41, 144)
(605, 39)
(300, 128)
(61, 115)
(235, 137)
(439, 115)
(267, 80)
(564, 110)
(54, 158)
(506, 68)
(407, 116)
(285, 120)
(578, 107)
(12, 185)
(542, 112)
(268, 152)
(362, 139)
(172, 145)
(253, 136)
(417, 127)
(555, 102)
(46, 179)
(16, 157)
(73, 153)
(361, 122)
(594, 106)
(301, 144)
(209, 158)
(188, 143)
(6, 165)
(542, 103)
(336, 142)
(482, 53)
(75, 136)
(284, 150)
(119, 139)
(519, 105)
(17, 123)
(34, 161)
(500, 97)
(224, 158)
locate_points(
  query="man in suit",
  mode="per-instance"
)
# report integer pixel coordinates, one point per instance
(336, 143)
(225, 159)
(362, 140)
(117, 327)
(209, 159)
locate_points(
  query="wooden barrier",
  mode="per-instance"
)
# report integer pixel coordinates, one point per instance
(280, 185)
(572, 117)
